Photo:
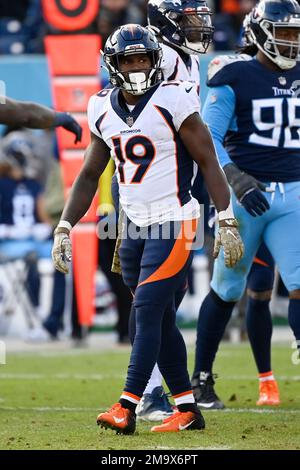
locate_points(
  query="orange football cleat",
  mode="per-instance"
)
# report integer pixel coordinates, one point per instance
(118, 418)
(268, 393)
(180, 422)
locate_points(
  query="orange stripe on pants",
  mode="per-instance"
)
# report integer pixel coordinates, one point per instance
(189, 392)
(179, 254)
(261, 262)
(131, 395)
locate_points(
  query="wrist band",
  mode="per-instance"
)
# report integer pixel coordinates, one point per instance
(65, 224)
(227, 214)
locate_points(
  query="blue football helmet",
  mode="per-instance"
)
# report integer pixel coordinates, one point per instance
(266, 26)
(128, 40)
(18, 151)
(184, 23)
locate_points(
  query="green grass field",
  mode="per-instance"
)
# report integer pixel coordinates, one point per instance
(51, 400)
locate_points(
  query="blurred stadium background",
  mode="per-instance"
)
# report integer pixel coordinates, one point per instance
(49, 53)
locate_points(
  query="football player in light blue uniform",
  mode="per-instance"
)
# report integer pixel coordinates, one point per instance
(253, 111)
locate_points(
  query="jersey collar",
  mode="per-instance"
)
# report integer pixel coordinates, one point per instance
(119, 105)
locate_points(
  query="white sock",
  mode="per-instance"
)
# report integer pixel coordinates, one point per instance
(266, 376)
(184, 398)
(155, 380)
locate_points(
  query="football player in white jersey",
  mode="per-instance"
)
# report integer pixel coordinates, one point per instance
(154, 131)
(184, 30)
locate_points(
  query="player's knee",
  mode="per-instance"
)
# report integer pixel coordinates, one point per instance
(146, 298)
(228, 284)
(262, 295)
(229, 294)
(294, 294)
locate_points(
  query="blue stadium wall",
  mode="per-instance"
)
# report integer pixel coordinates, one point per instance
(27, 77)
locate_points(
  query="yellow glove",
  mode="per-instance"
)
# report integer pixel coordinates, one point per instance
(62, 250)
(116, 263)
(229, 238)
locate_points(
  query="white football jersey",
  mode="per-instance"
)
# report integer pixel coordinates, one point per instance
(174, 67)
(153, 167)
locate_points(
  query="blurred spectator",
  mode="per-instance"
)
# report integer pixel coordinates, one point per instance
(21, 27)
(228, 20)
(24, 225)
(114, 13)
(42, 149)
(54, 324)
(54, 203)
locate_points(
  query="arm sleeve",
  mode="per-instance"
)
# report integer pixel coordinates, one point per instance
(188, 103)
(219, 115)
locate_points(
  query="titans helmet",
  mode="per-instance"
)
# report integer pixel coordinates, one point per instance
(18, 151)
(184, 23)
(268, 27)
(128, 40)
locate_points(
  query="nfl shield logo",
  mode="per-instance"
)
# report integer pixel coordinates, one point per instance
(129, 121)
(282, 80)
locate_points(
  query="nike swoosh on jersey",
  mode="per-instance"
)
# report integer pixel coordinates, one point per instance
(181, 428)
(118, 420)
(188, 90)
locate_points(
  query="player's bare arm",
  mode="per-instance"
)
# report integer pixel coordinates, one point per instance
(197, 139)
(84, 188)
(26, 114)
(36, 116)
(96, 158)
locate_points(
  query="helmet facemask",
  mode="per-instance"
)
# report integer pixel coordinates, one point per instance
(198, 32)
(283, 52)
(193, 30)
(135, 82)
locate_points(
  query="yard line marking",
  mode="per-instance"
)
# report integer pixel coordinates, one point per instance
(66, 376)
(256, 410)
(44, 409)
(190, 448)
(88, 351)
(62, 376)
(254, 377)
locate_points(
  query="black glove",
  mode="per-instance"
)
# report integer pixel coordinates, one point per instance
(66, 121)
(247, 189)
